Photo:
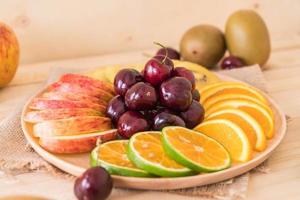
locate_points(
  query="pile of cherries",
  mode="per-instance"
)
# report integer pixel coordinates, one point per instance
(159, 96)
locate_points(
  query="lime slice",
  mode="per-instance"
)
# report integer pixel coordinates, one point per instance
(194, 150)
(112, 156)
(145, 150)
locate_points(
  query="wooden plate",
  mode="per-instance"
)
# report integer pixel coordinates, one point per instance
(77, 163)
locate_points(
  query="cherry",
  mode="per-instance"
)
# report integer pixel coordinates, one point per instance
(164, 119)
(141, 96)
(115, 108)
(125, 78)
(176, 93)
(156, 72)
(194, 115)
(94, 184)
(185, 73)
(170, 52)
(132, 122)
(232, 62)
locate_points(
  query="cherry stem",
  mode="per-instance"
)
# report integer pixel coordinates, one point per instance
(162, 46)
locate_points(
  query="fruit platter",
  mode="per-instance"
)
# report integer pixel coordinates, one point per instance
(163, 124)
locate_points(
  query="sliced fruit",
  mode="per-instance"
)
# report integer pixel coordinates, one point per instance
(73, 88)
(73, 97)
(247, 123)
(61, 113)
(230, 135)
(86, 81)
(216, 89)
(230, 96)
(113, 157)
(145, 150)
(42, 104)
(262, 114)
(194, 149)
(77, 143)
(203, 76)
(72, 126)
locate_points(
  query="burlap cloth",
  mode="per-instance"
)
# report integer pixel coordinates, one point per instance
(17, 157)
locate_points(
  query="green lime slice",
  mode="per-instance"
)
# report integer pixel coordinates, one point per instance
(113, 157)
(145, 150)
(194, 149)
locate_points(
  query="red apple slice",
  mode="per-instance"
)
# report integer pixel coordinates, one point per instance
(72, 126)
(42, 104)
(86, 81)
(80, 89)
(61, 113)
(73, 97)
(76, 144)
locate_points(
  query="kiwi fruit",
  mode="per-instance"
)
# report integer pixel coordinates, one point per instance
(203, 44)
(247, 37)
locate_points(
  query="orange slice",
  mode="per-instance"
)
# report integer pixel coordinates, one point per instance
(230, 96)
(194, 149)
(247, 123)
(262, 114)
(220, 88)
(231, 136)
(146, 151)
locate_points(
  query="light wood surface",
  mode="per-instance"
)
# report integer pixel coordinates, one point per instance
(55, 29)
(76, 164)
(280, 182)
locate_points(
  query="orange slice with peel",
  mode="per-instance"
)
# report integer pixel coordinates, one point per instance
(262, 114)
(248, 124)
(230, 135)
(220, 88)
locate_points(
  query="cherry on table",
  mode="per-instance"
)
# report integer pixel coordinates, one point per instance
(94, 184)
(194, 115)
(164, 119)
(232, 62)
(115, 108)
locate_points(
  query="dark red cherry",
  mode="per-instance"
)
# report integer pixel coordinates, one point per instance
(94, 184)
(232, 62)
(170, 52)
(194, 115)
(115, 108)
(126, 78)
(155, 72)
(132, 122)
(176, 93)
(141, 96)
(185, 73)
(164, 119)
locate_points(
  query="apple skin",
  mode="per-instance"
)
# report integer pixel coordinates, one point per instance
(86, 81)
(76, 144)
(61, 113)
(42, 104)
(72, 126)
(73, 97)
(9, 54)
(82, 89)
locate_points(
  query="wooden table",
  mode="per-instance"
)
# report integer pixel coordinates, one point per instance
(283, 81)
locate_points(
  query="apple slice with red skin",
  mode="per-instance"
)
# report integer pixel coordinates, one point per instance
(73, 97)
(61, 113)
(72, 126)
(87, 81)
(76, 144)
(42, 104)
(81, 89)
